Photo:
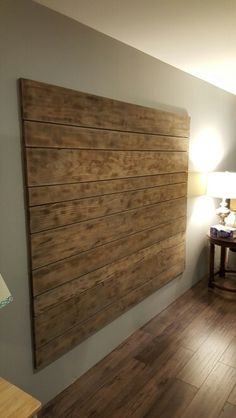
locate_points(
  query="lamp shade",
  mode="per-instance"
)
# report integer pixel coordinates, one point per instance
(5, 296)
(222, 184)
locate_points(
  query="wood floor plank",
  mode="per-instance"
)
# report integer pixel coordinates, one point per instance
(140, 403)
(47, 135)
(213, 394)
(139, 378)
(173, 401)
(97, 376)
(44, 217)
(48, 103)
(181, 320)
(98, 165)
(229, 411)
(57, 244)
(199, 329)
(232, 396)
(77, 334)
(229, 356)
(181, 312)
(61, 272)
(110, 400)
(112, 393)
(41, 195)
(206, 357)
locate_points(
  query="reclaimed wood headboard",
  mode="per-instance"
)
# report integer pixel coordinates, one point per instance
(106, 199)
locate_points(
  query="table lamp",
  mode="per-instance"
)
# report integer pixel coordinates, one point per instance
(222, 185)
(5, 296)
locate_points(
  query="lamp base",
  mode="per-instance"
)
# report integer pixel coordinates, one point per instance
(223, 211)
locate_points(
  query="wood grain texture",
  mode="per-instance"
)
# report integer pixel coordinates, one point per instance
(42, 135)
(157, 393)
(213, 394)
(75, 335)
(60, 214)
(229, 356)
(232, 396)
(16, 403)
(60, 166)
(229, 411)
(47, 103)
(51, 246)
(80, 391)
(206, 357)
(41, 195)
(93, 300)
(120, 390)
(56, 274)
(106, 198)
(173, 401)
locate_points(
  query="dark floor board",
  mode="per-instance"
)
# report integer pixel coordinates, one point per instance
(173, 401)
(205, 358)
(212, 395)
(111, 395)
(200, 327)
(232, 397)
(229, 411)
(97, 376)
(229, 356)
(191, 339)
(118, 391)
(140, 403)
(181, 310)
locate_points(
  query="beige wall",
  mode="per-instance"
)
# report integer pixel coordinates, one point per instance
(39, 44)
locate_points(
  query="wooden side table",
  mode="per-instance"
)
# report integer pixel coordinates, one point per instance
(14, 403)
(224, 244)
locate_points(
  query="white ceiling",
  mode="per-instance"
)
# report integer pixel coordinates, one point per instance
(196, 36)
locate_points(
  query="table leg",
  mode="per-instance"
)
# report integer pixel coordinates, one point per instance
(222, 261)
(211, 265)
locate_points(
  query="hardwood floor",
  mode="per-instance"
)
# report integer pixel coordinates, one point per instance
(182, 364)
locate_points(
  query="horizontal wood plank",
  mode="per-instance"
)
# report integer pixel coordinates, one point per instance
(54, 349)
(59, 166)
(213, 394)
(45, 217)
(120, 283)
(48, 103)
(40, 195)
(50, 246)
(46, 135)
(127, 266)
(61, 272)
(151, 256)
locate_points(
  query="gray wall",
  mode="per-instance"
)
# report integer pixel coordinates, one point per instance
(42, 45)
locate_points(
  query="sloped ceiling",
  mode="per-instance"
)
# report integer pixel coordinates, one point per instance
(198, 37)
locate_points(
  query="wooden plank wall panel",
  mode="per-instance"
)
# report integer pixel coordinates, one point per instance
(69, 240)
(60, 214)
(61, 165)
(46, 135)
(56, 274)
(65, 192)
(47, 103)
(106, 199)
